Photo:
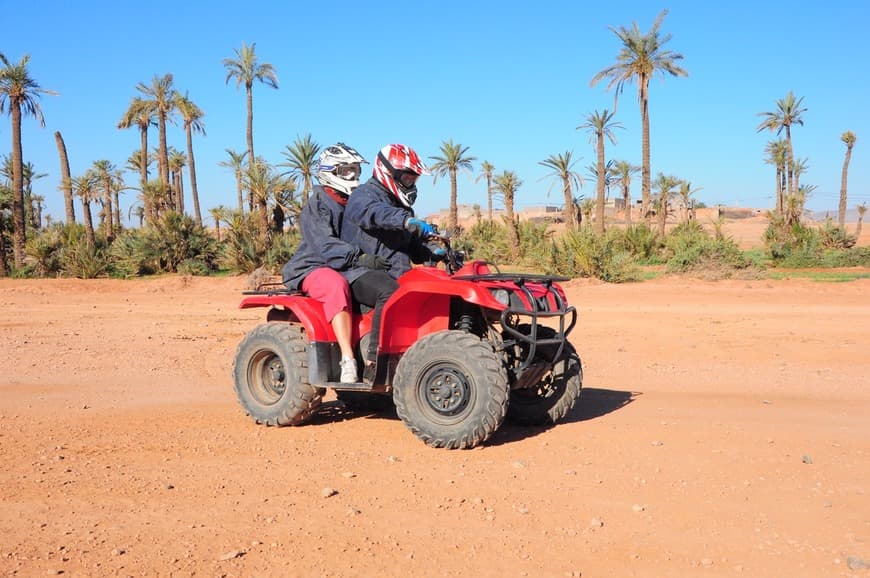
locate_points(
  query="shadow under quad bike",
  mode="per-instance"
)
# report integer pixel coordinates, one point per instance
(461, 349)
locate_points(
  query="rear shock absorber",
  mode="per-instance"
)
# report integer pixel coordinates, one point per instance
(465, 323)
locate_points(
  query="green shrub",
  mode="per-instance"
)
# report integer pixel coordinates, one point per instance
(83, 260)
(582, 253)
(171, 244)
(689, 248)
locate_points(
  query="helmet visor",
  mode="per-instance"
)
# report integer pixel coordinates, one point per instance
(348, 172)
(407, 178)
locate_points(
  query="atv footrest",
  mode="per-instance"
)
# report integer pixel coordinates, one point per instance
(361, 386)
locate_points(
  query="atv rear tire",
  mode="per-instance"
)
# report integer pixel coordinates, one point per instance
(451, 390)
(551, 398)
(271, 375)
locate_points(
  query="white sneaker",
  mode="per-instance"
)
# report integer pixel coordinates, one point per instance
(348, 370)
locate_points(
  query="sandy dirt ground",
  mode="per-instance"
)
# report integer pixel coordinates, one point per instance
(723, 430)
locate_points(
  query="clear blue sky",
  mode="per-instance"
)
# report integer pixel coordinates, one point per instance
(508, 79)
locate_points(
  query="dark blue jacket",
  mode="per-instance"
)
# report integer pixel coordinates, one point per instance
(321, 245)
(374, 222)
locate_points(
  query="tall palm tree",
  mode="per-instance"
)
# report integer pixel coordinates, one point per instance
(486, 169)
(161, 99)
(623, 171)
(19, 93)
(665, 186)
(192, 116)
(36, 206)
(788, 112)
(641, 56)
(562, 166)
(85, 188)
(65, 176)
(600, 124)
(453, 158)
(236, 162)
(849, 140)
(777, 155)
(507, 185)
(302, 161)
(245, 70)
(141, 114)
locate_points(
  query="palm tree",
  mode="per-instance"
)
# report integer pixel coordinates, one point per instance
(141, 114)
(218, 213)
(486, 169)
(798, 168)
(849, 140)
(788, 112)
(177, 162)
(263, 184)
(452, 159)
(65, 176)
(862, 208)
(562, 166)
(587, 207)
(507, 185)
(685, 192)
(777, 155)
(600, 125)
(192, 115)
(237, 164)
(105, 173)
(622, 172)
(245, 70)
(302, 161)
(641, 56)
(19, 93)
(665, 186)
(85, 188)
(162, 102)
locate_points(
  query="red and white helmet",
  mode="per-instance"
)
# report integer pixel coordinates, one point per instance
(397, 168)
(339, 168)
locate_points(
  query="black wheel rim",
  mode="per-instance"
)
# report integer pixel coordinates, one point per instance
(267, 377)
(445, 392)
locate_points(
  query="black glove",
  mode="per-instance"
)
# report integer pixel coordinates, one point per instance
(372, 262)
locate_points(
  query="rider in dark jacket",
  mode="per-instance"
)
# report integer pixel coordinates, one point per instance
(316, 265)
(379, 221)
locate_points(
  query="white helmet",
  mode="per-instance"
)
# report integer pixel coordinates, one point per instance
(340, 167)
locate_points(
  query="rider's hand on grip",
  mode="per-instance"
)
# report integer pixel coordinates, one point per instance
(420, 228)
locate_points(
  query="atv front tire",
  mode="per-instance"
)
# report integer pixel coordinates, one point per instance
(451, 390)
(553, 396)
(271, 375)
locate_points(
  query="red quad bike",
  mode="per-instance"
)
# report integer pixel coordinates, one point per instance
(461, 349)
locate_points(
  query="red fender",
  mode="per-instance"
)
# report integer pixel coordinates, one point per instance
(305, 310)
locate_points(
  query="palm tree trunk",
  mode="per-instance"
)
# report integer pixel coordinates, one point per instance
(568, 211)
(108, 215)
(4, 268)
(163, 162)
(513, 234)
(239, 191)
(626, 195)
(143, 172)
(66, 179)
(197, 215)
(116, 205)
(778, 190)
(18, 221)
(489, 197)
(645, 171)
(89, 223)
(453, 217)
(249, 93)
(599, 204)
(844, 178)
